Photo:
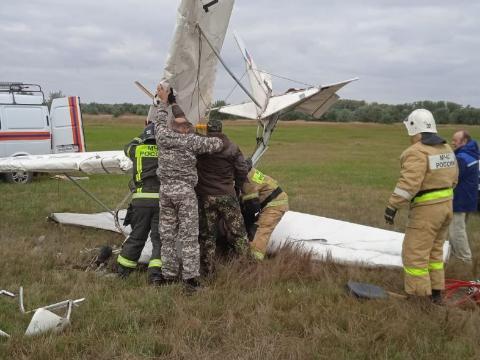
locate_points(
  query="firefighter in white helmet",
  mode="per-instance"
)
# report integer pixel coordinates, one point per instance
(428, 174)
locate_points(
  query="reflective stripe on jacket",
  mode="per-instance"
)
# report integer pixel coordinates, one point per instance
(430, 170)
(144, 157)
(259, 185)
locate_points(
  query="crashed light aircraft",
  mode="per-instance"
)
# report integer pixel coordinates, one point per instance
(190, 69)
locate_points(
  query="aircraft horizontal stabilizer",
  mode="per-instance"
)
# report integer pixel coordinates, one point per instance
(246, 110)
(313, 101)
(319, 103)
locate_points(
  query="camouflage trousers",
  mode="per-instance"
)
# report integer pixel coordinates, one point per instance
(212, 208)
(179, 222)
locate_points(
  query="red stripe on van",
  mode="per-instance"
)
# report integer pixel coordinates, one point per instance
(24, 135)
(73, 123)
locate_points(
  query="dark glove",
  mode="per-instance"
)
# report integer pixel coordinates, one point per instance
(250, 209)
(104, 254)
(251, 231)
(390, 214)
(171, 97)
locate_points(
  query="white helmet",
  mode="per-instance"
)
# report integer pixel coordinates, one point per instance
(419, 121)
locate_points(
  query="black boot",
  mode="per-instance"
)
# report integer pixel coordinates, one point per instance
(123, 272)
(192, 285)
(161, 281)
(436, 297)
(154, 276)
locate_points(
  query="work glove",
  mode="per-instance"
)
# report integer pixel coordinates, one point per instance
(104, 254)
(250, 209)
(171, 97)
(390, 214)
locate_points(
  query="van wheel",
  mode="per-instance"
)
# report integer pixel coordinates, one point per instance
(19, 177)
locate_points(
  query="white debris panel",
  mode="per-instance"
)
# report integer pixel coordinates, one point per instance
(341, 241)
(98, 162)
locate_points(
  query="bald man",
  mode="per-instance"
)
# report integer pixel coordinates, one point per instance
(465, 200)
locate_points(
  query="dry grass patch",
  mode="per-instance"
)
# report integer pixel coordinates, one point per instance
(284, 308)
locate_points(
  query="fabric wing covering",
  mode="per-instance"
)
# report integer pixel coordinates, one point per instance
(191, 63)
(319, 103)
(99, 162)
(336, 240)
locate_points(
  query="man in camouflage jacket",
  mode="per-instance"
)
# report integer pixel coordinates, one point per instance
(178, 150)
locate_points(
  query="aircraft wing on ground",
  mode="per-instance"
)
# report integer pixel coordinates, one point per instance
(313, 101)
(324, 238)
(96, 162)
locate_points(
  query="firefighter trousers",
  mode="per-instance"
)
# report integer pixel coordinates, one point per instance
(267, 221)
(144, 221)
(422, 251)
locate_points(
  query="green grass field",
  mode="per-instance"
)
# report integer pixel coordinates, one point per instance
(283, 308)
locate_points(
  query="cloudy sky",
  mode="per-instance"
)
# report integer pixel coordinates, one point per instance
(402, 50)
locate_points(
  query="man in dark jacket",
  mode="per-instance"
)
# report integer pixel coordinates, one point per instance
(143, 210)
(218, 176)
(465, 197)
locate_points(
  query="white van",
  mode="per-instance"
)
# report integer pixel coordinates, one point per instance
(27, 127)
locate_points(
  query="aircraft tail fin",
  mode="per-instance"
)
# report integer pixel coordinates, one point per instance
(260, 82)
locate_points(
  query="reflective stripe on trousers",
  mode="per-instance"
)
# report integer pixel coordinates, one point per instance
(127, 263)
(423, 271)
(155, 263)
(258, 255)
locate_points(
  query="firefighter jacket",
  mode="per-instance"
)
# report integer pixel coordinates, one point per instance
(264, 188)
(465, 195)
(178, 152)
(218, 173)
(428, 175)
(144, 156)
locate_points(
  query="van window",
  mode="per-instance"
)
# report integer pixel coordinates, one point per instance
(62, 117)
(24, 118)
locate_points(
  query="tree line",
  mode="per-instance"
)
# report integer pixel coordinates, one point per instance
(344, 110)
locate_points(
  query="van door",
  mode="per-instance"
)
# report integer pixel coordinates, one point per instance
(25, 130)
(67, 125)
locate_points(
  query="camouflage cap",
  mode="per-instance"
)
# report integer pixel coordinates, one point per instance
(214, 126)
